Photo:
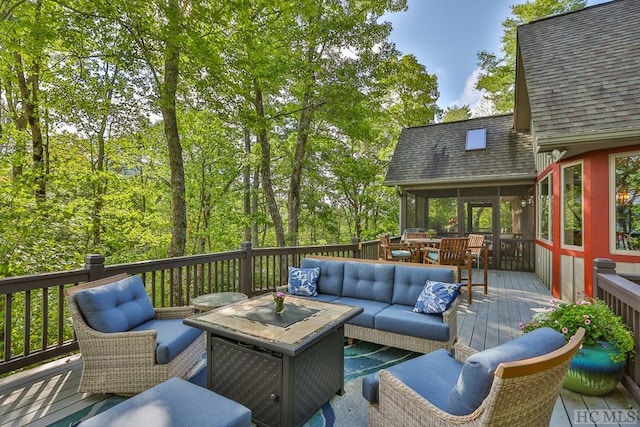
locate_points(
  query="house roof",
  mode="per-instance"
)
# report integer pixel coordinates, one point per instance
(434, 155)
(581, 74)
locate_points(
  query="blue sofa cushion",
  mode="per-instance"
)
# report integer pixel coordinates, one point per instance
(409, 281)
(401, 319)
(303, 281)
(371, 309)
(432, 375)
(437, 297)
(367, 281)
(174, 403)
(331, 277)
(117, 306)
(476, 376)
(173, 337)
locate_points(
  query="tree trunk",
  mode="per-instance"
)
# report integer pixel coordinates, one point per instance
(265, 169)
(304, 123)
(169, 116)
(246, 185)
(29, 90)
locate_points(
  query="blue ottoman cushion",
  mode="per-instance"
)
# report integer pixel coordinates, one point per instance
(173, 337)
(174, 403)
(116, 307)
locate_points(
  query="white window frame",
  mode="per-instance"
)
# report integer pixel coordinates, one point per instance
(613, 204)
(563, 168)
(548, 179)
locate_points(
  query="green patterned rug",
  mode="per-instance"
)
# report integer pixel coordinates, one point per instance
(350, 409)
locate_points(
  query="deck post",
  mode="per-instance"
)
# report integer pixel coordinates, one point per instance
(601, 266)
(246, 269)
(94, 263)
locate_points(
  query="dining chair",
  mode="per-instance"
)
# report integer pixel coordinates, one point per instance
(480, 256)
(453, 251)
(394, 251)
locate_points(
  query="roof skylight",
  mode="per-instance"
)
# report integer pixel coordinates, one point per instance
(476, 139)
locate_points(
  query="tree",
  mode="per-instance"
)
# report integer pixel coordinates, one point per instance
(497, 77)
(455, 113)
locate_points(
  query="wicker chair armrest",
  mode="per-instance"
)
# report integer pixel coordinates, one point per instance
(463, 351)
(141, 343)
(400, 405)
(174, 312)
(451, 311)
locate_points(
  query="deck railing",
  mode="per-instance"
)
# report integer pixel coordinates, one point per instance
(35, 324)
(621, 292)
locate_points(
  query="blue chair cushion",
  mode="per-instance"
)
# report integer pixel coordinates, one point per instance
(330, 281)
(436, 297)
(117, 306)
(409, 281)
(303, 281)
(174, 403)
(400, 253)
(432, 375)
(476, 376)
(173, 337)
(401, 319)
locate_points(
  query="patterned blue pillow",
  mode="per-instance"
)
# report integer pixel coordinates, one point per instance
(303, 281)
(437, 297)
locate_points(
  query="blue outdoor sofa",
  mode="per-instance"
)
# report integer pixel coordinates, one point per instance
(387, 291)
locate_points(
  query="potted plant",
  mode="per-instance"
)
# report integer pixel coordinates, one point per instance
(431, 233)
(607, 345)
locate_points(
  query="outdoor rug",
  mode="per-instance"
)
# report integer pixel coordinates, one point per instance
(348, 410)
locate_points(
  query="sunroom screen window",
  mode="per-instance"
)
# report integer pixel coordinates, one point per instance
(476, 139)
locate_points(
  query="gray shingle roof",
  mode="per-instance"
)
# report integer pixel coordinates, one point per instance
(582, 70)
(436, 153)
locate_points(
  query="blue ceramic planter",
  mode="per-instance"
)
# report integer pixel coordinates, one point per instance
(592, 371)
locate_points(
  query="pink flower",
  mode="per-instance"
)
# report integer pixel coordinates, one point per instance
(587, 321)
(565, 330)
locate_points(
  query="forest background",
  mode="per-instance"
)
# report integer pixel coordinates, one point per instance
(142, 129)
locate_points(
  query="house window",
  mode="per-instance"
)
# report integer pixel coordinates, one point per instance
(625, 200)
(476, 139)
(545, 208)
(572, 204)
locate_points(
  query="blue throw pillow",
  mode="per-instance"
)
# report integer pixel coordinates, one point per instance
(304, 281)
(436, 297)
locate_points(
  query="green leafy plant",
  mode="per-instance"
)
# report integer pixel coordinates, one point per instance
(431, 233)
(599, 322)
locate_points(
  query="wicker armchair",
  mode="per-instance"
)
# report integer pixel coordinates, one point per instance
(523, 393)
(124, 363)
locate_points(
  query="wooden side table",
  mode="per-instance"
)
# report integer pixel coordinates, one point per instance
(219, 299)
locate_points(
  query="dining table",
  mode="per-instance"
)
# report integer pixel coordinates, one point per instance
(420, 244)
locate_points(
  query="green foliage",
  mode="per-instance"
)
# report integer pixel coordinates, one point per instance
(599, 322)
(497, 77)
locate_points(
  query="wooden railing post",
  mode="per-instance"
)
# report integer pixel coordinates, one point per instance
(356, 241)
(602, 266)
(246, 269)
(95, 264)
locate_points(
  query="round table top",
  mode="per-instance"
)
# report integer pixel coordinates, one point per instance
(215, 300)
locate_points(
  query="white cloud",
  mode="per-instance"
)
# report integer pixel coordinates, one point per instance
(470, 95)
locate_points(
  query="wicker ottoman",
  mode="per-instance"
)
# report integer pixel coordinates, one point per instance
(175, 403)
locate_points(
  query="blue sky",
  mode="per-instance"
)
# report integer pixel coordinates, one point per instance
(446, 35)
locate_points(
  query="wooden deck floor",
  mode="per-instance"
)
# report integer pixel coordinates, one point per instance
(43, 395)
